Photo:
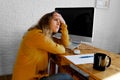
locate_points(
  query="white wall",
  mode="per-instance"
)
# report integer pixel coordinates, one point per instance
(16, 16)
(107, 27)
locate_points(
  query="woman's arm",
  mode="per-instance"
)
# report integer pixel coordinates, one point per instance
(65, 36)
(38, 40)
(65, 41)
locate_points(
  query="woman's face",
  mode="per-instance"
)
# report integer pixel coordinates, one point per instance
(55, 23)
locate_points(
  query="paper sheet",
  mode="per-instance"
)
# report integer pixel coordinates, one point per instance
(81, 59)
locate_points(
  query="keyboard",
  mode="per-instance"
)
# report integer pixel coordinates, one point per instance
(73, 45)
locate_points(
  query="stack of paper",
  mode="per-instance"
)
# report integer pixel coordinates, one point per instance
(81, 59)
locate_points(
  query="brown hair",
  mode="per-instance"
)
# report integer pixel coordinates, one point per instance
(43, 23)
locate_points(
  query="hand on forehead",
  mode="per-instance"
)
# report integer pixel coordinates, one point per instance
(59, 16)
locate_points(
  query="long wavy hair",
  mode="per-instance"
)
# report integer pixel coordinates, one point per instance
(43, 24)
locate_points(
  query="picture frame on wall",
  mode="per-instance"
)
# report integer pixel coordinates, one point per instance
(102, 3)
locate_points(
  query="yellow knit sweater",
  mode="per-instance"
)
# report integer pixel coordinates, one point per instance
(33, 53)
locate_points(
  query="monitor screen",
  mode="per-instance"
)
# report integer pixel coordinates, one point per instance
(79, 21)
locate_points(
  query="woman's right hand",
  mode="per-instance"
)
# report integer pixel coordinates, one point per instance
(62, 21)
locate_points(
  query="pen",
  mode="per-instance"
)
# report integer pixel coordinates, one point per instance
(86, 56)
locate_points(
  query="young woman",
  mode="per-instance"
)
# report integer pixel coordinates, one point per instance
(37, 43)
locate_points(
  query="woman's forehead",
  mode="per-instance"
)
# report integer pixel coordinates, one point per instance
(55, 16)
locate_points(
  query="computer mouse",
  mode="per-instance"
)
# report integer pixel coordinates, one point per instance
(76, 51)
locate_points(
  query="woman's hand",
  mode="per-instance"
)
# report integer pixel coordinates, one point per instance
(60, 17)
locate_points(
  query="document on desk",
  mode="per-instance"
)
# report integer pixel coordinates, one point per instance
(81, 59)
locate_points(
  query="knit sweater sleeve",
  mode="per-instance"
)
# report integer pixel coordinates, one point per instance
(64, 40)
(65, 37)
(38, 40)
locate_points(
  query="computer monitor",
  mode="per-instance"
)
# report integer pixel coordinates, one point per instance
(79, 21)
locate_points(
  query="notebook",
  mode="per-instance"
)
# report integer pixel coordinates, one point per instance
(81, 59)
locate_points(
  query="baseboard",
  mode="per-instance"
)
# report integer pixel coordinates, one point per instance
(6, 77)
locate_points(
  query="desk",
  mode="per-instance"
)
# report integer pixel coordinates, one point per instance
(111, 73)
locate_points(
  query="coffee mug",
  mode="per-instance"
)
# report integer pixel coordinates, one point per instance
(101, 61)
